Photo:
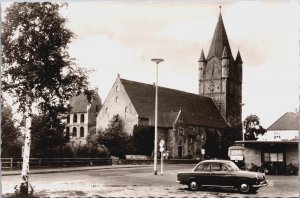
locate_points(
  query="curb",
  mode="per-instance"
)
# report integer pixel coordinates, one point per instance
(41, 171)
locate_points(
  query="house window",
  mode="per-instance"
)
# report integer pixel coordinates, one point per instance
(75, 118)
(81, 132)
(82, 118)
(74, 132)
(273, 157)
(277, 135)
(68, 119)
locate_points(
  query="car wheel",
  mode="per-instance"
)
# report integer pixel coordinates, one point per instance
(244, 187)
(193, 185)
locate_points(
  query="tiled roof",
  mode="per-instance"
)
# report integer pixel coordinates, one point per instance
(219, 41)
(79, 104)
(289, 121)
(197, 110)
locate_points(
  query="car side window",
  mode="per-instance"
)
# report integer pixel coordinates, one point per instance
(203, 167)
(218, 167)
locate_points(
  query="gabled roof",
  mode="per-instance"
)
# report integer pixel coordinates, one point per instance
(289, 121)
(219, 41)
(197, 110)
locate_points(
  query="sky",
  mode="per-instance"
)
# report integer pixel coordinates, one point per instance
(121, 37)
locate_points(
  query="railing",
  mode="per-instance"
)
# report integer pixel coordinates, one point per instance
(15, 163)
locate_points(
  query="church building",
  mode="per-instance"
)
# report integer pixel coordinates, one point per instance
(185, 120)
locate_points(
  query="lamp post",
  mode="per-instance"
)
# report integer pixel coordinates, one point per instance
(157, 61)
(242, 104)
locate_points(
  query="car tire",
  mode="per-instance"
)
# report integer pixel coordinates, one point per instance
(244, 187)
(194, 185)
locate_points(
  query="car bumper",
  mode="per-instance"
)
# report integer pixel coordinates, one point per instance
(261, 184)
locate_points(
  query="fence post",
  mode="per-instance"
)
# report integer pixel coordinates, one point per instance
(11, 163)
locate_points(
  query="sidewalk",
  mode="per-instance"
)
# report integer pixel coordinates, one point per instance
(67, 169)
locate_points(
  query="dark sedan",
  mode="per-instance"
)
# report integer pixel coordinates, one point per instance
(222, 173)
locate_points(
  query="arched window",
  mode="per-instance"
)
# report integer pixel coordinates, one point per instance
(68, 119)
(74, 132)
(68, 130)
(75, 118)
(82, 118)
(117, 88)
(81, 131)
(117, 99)
(126, 111)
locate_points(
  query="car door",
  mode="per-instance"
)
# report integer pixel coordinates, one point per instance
(220, 175)
(202, 173)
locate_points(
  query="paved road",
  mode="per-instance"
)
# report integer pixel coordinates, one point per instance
(136, 182)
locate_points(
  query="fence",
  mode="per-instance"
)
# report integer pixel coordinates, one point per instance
(13, 163)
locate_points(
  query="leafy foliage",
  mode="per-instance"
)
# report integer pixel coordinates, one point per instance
(36, 64)
(11, 144)
(143, 139)
(252, 127)
(48, 137)
(114, 138)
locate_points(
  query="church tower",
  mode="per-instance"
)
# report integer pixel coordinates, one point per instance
(220, 76)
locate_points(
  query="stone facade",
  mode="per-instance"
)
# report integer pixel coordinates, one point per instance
(220, 76)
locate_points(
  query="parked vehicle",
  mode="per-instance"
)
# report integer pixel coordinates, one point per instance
(236, 154)
(222, 173)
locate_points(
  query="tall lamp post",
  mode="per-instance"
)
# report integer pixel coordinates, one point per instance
(157, 61)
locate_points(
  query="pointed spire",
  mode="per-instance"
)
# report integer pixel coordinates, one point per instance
(202, 57)
(225, 53)
(219, 40)
(238, 57)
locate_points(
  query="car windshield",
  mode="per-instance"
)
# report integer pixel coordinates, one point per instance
(232, 167)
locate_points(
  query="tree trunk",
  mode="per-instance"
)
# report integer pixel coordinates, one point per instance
(26, 154)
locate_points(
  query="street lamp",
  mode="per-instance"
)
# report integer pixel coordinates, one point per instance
(157, 61)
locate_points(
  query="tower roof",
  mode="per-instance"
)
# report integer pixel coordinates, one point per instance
(238, 58)
(202, 57)
(219, 41)
(225, 53)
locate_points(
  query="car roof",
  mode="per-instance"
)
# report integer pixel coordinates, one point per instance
(215, 160)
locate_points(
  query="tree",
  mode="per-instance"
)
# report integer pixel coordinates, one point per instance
(252, 127)
(11, 143)
(114, 138)
(37, 68)
(48, 137)
(143, 138)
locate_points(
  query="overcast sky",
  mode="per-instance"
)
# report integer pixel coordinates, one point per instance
(121, 37)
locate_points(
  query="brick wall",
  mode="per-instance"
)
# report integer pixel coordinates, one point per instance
(252, 155)
(292, 153)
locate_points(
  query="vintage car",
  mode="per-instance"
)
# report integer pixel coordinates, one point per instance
(222, 173)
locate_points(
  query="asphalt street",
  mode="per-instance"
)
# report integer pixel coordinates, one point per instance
(135, 182)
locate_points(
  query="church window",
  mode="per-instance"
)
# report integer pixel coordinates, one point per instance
(117, 99)
(81, 131)
(82, 118)
(126, 111)
(117, 89)
(74, 133)
(75, 118)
